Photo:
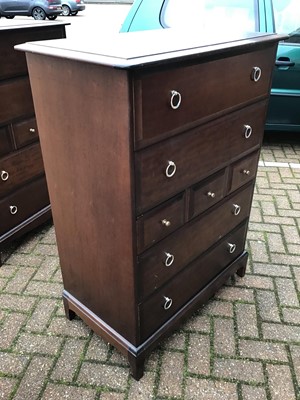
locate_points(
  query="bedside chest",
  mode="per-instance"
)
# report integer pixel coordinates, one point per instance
(24, 200)
(151, 170)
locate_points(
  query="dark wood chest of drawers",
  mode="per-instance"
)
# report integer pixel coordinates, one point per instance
(151, 174)
(24, 200)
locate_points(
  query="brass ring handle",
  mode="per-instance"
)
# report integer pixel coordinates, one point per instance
(256, 74)
(171, 169)
(13, 209)
(236, 209)
(169, 259)
(247, 131)
(4, 175)
(231, 247)
(168, 302)
(175, 99)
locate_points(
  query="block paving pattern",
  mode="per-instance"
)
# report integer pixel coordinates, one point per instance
(243, 345)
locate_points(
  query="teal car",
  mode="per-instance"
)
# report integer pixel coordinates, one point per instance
(281, 16)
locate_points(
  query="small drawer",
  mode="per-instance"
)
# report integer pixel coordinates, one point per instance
(165, 259)
(207, 193)
(244, 171)
(25, 132)
(171, 297)
(6, 144)
(22, 204)
(17, 99)
(160, 222)
(169, 167)
(172, 100)
(19, 168)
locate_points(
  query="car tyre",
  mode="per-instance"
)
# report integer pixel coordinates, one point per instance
(52, 17)
(65, 10)
(38, 13)
(10, 16)
(74, 12)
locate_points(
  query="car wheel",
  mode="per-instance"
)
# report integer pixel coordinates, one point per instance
(10, 16)
(74, 12)
(65, 10)
(52, 17)
(38, 13)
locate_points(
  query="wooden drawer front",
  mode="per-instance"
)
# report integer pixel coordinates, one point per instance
(6, 145)
(190, 281)
(196, 154)
(191, 241)
(22, 204)
(160, 222)
(20, 167)
(205, 89)
(244, 170)
(15, 99)
(205, 194)
(13, 62)
(25, 132)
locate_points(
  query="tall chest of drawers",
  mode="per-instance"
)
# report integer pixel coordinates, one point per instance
(151, 175)
(24, 200)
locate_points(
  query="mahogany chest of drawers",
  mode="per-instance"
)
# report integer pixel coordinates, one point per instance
(151, 174)
(24, 200)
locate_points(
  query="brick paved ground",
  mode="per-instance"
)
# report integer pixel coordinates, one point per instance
(244, 345)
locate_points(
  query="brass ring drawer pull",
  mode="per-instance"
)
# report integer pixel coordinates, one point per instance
(247, 131)
(169, 259)
(175, 99)
(231, 247)
(171, 169)
(236, 209)
(166, 222)
(13, 209)
(4, 175)
(32, 130)
(168, 302)
(212, 195)
(256, 74)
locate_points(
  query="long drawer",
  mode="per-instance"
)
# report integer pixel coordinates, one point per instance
(172, 254)
(174, 164)
(176, 98)
(22, 204)
(19, 168)
(172, 296)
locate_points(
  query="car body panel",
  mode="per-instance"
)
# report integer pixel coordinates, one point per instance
(25, 7)
(281, 16)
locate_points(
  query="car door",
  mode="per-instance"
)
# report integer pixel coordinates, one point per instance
(284, 103)
(15, 6)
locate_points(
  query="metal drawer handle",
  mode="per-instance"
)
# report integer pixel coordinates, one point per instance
(169, 259)
(211, 195)
(13, 209)
(175, 99)
(256, 74)
(231, 247)
(246, 172)
(236, 209)
(4, 175)
(168, 302)
(32, 130)
(166, 222)
(171, 169)
(248, 131)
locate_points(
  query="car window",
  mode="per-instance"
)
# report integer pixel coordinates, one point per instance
(287, 18)
(221, 15)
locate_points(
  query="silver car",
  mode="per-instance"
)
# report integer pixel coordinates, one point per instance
(38, 9)
(72, 7)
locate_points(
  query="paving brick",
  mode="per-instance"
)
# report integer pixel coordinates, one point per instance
(259, 251)
(272, 270)
(41, 315)
(224, 341)
(49, 236)
(28, 244)
(29, 260)
(142, 390)
(253, 393)
(112, 396)
(280, 382)
(235, 293)
(6, 387)
(285, 259)
(284, 333)
(247, 371)
(171, 376)
(17, 303)
(283, 220)
(12, 364)
(38, 288)
(113, 377)
(18, 283)
(10, 329)
(203, 389)
(297, 276)
(117, 357)
(291, 315)
(295, 353)
(293, 248)
(282, 202)
(268, 207)
(275, 243)
(246, 320)
(175, 341)
(199, 354)
(267, 306)
(7, 271)
(68, 361)
(262, 350)
(291, 234)
(34, 378)
(58, 392)
(287, 292)
(255, 215)
(221, 308)
(253, 281)
(42, 344)
(264, 227)
(48, 268)
(97, 350)
(63, 326)
(198, 323)
(46, 249)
